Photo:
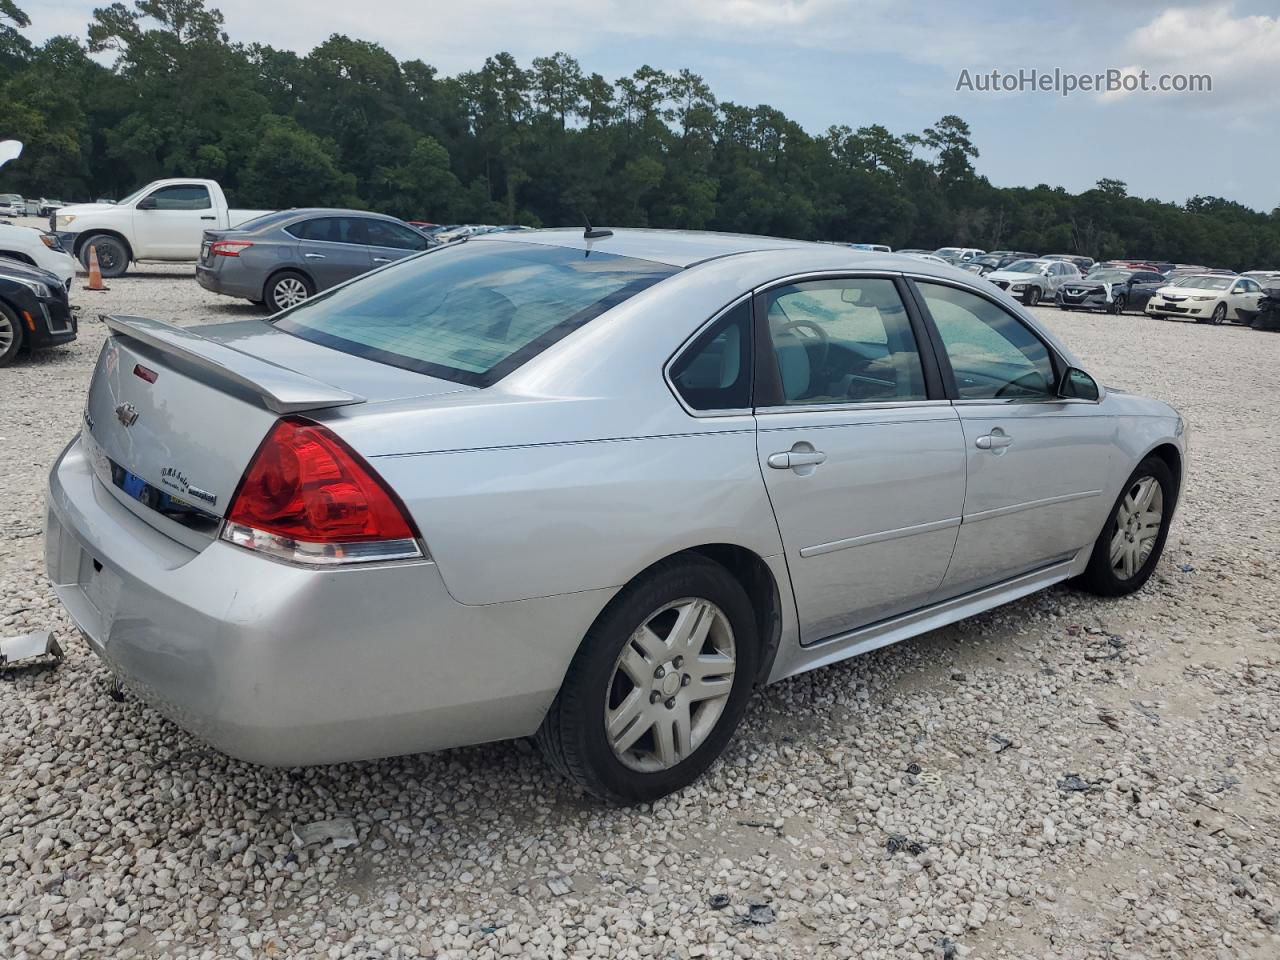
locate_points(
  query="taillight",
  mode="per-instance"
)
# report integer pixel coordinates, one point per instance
(228, 248)
(309, 498)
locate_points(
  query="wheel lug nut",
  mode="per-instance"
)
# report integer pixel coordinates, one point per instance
(671, 703)
(655, 696)
(678, 662)
(685, 680)
(659, 673)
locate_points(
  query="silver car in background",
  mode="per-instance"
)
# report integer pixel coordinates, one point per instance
(1034, 280)
(281, 259)
(594, 488)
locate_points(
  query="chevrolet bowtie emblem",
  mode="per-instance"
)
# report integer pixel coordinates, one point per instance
(126, 413)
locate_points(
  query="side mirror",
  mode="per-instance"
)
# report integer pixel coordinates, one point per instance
(147, 203)
(1078, 385)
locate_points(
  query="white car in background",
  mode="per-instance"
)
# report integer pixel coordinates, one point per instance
(1208, 298)
(38, 248)
(958, 254)
(12, 205)
(1034, 280)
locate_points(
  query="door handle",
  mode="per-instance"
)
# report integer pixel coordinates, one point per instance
(788, 459)
(381, 259)
(208, 218)
(997, 439)
(314, 256)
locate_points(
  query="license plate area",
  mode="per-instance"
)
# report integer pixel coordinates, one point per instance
(99, 585)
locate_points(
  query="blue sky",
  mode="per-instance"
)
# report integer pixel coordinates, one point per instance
(858, 62)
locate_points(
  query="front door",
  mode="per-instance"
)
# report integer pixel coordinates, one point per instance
(864, 468)
(1035, 461)
(169, 222)
(390, 241)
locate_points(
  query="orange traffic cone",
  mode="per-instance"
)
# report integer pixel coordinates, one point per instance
(95, 272)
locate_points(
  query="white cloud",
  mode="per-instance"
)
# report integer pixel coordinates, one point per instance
(1239, 53)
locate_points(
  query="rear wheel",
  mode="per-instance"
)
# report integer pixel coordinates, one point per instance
(10, 335)
(658, 686)
(1132, 540)
(288, 288)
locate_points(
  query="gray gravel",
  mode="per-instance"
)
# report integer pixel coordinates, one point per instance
(1063, 777)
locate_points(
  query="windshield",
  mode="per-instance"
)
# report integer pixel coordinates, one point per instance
(1204, 282)
(1024, 266)
(1110, 276)
(947, 252)
(471, 312)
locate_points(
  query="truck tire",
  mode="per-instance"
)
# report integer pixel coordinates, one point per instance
(113, 255)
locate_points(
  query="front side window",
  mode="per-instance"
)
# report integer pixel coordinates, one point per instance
(993, 354)
(715, 372)
(471, 312)
(843, 341)
(382, 233)
(182, 197)
(330, 229)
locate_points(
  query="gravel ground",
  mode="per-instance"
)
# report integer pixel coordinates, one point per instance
(1062, 777)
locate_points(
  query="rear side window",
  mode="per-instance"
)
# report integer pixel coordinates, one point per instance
(471, 312)
(715, 372)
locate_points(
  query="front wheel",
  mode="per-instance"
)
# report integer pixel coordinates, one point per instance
(1033, 296)
(658, 685)
(10, 335)
(1117, 305)
(113, 256)
(1132, 540)
(1219, 314)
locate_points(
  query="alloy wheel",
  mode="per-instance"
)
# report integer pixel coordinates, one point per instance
(7, 334)
(1138, 523)
(289, 292)
(1219, 313)
(670, 684)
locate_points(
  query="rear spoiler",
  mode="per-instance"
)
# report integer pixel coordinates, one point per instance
(281, 389)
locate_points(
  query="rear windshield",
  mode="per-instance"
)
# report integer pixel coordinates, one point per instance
(471, 312)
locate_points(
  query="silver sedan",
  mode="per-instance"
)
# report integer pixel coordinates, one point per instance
(593, 488)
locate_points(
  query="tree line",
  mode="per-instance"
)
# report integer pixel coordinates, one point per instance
(347, 124)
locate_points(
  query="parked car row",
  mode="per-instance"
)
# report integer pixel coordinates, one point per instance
(15, 205)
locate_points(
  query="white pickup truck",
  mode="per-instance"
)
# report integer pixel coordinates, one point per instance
(165, 220)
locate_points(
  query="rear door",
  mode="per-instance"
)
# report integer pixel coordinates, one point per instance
(170, 221)
(862, 456)
(331, 249)
(1036, 463)
(390, 241)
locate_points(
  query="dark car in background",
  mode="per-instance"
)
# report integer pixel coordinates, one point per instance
(34, 310)
(1112, 290)
(283, 258)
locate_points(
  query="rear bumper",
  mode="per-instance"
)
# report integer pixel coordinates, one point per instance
(215, 281)
(283, 665)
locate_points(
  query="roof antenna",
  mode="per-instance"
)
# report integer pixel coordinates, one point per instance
(590, 233)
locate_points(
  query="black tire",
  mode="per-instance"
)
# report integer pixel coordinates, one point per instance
(273, 292)
(1033, 296)
(113, 255)
(573, 738)
(1219, 315)
(1117, 305)
(10, 333)
(1100, 577)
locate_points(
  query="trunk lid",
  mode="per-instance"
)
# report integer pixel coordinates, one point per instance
(175, 414)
